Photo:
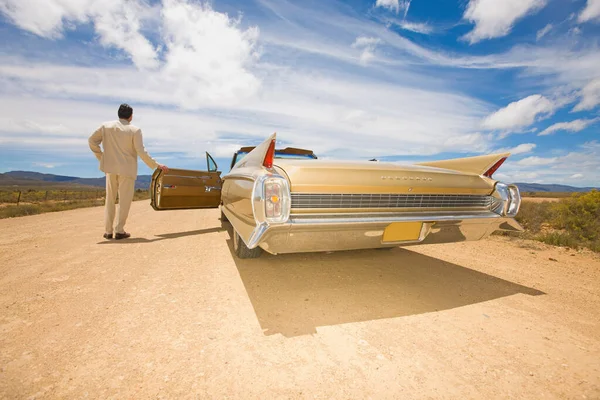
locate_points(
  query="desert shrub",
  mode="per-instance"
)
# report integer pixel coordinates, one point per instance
(19, 211)
(558, 239)
(571, 222)
(534, 215)
(12, 210)
(579, 215)
(141, 194)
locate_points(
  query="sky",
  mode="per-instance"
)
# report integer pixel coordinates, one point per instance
(397, 80)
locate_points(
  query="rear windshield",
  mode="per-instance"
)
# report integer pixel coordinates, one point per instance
(241, 154)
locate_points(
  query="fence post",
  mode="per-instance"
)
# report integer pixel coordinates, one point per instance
(46, 197)
(19, 198)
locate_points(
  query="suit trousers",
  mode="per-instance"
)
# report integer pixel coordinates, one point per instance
(123, 186)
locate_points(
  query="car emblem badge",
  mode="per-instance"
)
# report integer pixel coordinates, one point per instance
(405, 178)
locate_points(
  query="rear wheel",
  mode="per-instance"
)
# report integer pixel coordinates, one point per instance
(242, 251)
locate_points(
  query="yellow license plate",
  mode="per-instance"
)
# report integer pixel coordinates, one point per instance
(402, 231)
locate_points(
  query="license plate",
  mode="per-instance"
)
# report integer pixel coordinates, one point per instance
(402, 232)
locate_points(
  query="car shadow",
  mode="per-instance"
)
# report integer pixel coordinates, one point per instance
(163, 236)
(292, 294)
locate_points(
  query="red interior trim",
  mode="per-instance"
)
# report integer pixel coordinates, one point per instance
(268, 161)
(494, 168)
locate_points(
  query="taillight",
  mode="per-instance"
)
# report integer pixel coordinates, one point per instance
(268, 161)
(276, 199)
(494, 167)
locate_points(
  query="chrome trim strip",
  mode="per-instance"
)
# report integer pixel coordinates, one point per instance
(347, 219)
(507, 199)
(385, 200)
(515, 200)
(204, 177)
(257, 234)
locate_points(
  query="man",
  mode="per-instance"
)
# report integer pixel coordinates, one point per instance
(122, 144)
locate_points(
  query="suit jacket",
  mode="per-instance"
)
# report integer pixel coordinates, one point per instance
(122, 144)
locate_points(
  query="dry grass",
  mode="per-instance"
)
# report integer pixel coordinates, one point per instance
(555, 195)
(76, 199)
(571, 222)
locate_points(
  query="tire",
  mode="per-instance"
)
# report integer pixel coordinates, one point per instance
(242, 251)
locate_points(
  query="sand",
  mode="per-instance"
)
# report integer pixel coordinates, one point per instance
(171, 313)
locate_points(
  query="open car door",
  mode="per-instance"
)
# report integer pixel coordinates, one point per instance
(181, 189)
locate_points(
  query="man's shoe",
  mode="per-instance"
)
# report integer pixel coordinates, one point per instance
(124, 235)
(108, 236)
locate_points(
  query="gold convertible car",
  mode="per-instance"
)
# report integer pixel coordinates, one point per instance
(288, 201)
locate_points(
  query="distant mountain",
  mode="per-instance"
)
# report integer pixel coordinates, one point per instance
(28, 178)
(541, 187)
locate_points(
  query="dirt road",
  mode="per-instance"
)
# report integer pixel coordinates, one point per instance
(171, 313)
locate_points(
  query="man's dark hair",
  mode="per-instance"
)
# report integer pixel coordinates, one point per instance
(125, 111)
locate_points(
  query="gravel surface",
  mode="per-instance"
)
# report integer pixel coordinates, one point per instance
(170, 313)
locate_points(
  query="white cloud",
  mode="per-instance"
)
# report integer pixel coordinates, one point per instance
(519, 114)
(535, 161)
(543, 32)
(341, 114)
(207, 56)
(572, 126)
(45, 18)
(580, 167)
(590, 12)
(590, 96)
(575, 31)
(394, 5)
(45, 165)
(417, 27)
(520, 149)
(495, 18)
(116, 22)
(367, 44)
(118, 25)
(365, 41)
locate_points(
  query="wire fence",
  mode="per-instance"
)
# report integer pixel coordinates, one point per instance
(33, 196)
(45, 196)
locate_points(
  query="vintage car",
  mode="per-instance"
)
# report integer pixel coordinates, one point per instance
(287, 201)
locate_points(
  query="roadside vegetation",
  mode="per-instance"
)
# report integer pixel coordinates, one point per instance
(547, 195)
(570, 222)
(31, 201)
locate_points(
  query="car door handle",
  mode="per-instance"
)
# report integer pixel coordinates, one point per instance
(211, 188)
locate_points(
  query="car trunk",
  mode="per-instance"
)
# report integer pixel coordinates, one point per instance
(318, 176)
(333, 186)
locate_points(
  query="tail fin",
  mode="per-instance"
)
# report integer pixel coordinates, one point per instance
(479, 165)
(261, 154)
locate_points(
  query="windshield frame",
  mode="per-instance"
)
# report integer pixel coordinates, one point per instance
(279, 154)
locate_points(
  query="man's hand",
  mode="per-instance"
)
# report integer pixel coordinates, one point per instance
(163, 167)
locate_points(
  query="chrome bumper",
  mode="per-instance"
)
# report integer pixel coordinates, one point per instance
(332, 232)
(347, 231)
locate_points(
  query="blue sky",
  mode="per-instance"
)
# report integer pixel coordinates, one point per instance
(398, 80)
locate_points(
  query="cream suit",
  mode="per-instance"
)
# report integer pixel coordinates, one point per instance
(122, 143)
